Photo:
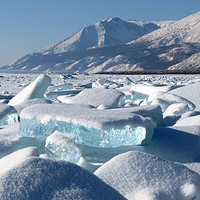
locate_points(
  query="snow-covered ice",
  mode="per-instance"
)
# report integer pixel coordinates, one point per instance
(150, 88)
(92, 127)
(35, 90)
(190, 92)
(10, 161)
(99, 96)
(138, 175)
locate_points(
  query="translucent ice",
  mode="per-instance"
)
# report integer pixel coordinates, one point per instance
(7, 115)
(91, 127)
(63, 147)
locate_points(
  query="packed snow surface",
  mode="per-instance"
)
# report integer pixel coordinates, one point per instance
(139, 175)
(98, 96)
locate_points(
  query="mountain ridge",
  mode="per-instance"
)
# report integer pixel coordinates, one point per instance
(161, 49)
(109, 31)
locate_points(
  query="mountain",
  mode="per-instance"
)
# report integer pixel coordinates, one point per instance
(186, 30)
(190, 64)
(109, 31)
(103, 47)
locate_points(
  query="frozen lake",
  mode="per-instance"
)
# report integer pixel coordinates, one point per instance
(137, 136)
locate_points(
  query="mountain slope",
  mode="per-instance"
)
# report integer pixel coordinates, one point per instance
(190, 64)
(110, 31)
(186, 30)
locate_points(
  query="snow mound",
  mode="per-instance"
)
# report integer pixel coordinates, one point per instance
(98, 96)
(27, 103)
(37, 178)
(138, 175)
(149, 89)
(11, 141)
(10, 161)
(190, 92)
(35, 90)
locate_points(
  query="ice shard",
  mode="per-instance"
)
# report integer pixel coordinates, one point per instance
(62, 147)
(8, 115)
(35, 90)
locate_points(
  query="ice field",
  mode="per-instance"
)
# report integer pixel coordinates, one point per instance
(111, 137)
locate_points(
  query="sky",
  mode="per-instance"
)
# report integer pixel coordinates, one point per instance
(29, 25)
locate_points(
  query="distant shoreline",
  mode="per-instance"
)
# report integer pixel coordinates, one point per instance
(144, 72)
(156, 72)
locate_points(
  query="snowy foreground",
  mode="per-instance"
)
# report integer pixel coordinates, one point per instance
(99, 137)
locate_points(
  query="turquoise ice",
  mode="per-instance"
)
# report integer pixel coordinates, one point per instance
(91, 127)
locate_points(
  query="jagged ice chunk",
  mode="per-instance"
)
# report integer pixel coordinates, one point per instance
(35, 90)
(63, 147)
(7, 115)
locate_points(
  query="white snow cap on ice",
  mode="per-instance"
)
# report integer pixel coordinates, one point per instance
(35, 90)
(190, 92)
(112, 127)
(97, 97)
(149, 89)
(138, 175)
(86, 116)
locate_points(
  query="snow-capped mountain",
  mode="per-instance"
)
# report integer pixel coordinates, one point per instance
(110, 31)
(103, 47)
(186, 30)
(191, 63)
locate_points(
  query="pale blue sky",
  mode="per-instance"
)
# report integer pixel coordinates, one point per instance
(28, 25)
